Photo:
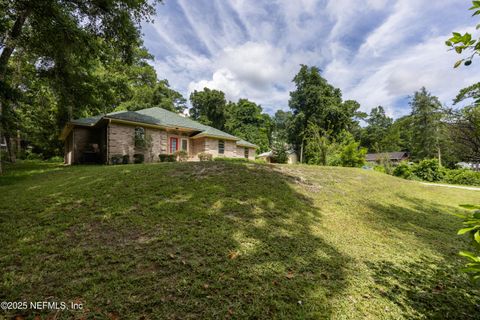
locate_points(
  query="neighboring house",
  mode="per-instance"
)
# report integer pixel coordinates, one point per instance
(149, 132)
(394, 157)
(469, 165)
(267, 156)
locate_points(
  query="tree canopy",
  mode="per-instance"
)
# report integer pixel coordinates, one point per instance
(315, 101)
(209, 107)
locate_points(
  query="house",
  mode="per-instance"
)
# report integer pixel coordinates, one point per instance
(394, 157)
(149, 133)
(469, 165)
(267, 156)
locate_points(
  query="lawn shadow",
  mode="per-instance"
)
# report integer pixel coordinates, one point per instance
(15, 173)
(182, 241)
(431, 287)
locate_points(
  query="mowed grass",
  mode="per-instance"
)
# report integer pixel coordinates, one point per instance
(231, 240)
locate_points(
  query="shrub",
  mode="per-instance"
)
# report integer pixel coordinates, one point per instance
(203, 156)
(125, 159)
(463, 176)
(162, 157)
(181, 155)
(428, 170)
(352, 155)
(379, 169)
(138, 158)
(403, 170)
(31, 156)
(167, 157)
(56, 159)
(227, 159)
(116, 159)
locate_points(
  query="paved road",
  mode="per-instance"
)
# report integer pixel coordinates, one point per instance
(451, 186)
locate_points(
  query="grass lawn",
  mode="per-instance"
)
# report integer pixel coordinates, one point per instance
(231, 240)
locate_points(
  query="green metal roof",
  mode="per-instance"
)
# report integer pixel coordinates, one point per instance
(244, 143)
(90, 121)
(162, 117)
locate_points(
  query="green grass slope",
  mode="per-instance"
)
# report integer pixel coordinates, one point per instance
(226, 240)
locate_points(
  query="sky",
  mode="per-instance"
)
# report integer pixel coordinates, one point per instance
(378, 52)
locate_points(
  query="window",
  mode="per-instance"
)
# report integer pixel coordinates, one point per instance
(139, 137)
(221, 147)
(245, 153)
(184, 144)
(173, 145)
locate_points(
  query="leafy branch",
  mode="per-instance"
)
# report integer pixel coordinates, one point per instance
(471, 226)
(464, 43)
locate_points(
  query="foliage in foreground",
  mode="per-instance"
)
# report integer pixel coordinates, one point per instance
(471, 226)
(466, 43)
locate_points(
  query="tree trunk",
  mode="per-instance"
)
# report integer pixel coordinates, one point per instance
(10, 43)
(439, 157)
(10, 151)
(301, 153)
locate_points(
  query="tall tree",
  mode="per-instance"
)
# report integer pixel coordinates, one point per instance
(465, 125)
(246, 120)
(209, 107)
(378, 125)
(281, 125)
(65, 36)
(316, 101)
(104, 87)
(401, 133)
(427, 127)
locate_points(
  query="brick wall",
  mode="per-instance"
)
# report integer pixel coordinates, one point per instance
(121, 141)
(211, 146)
(241, 153)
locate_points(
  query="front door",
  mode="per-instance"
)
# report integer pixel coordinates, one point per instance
(173, 145)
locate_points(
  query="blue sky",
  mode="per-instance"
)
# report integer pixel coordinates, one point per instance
(377, 52)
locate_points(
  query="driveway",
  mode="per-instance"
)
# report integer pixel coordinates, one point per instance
(451, 186)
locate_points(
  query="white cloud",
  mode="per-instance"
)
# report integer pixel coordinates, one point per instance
(248, 71)
(427, 64)
(375, 51)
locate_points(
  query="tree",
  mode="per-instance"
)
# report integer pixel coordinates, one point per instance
(316, 101)
(209, 107)
(104, 87)
(279, 152)
(281, 124)
(352, 117)
(465, 132)
(400, 134)
(378, 125)
(320, 145)
(65, 37)
(159, 95)
(350, 154)
(427, 128)
(465, 43)
(246, 120)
